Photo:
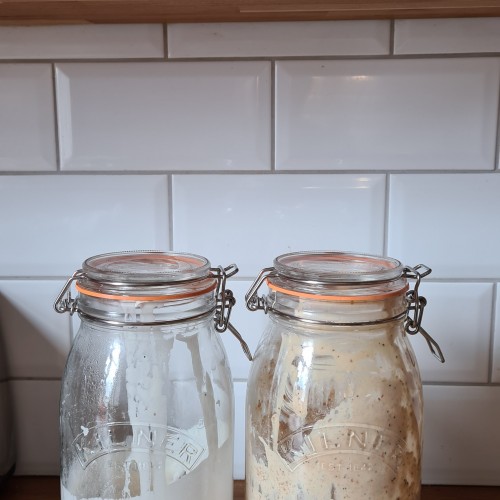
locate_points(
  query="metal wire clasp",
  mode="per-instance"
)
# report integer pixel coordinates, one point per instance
(252, 300)
(224, 304)
(64, 302)
(416, 306)
(224, 298)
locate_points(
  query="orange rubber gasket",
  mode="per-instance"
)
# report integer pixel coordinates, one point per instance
(337, 298)
(145, 298)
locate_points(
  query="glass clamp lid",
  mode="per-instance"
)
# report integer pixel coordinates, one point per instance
(145, 267)
(337, 267)
(142, 275)
(345, 277)
(153, 276)
(332, 276)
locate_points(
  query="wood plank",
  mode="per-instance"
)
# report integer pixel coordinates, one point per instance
(47, 488)
(20, 12)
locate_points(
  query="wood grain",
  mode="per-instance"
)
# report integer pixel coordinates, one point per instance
(47, 488)
(19, 12)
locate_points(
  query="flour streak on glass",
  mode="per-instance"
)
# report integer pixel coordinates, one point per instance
(147, 397)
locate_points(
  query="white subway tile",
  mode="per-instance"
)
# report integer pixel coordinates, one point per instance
(318, 38)
(81, 41)
(157, 116)
(258, 217)
(443, 36)
(495, 376)
(447, 222)
(36, 414)
(37, 339)
(53, 223)
(461, 438)
(458, 317)
(240, 389)
(249, 324)
(27, 140)
(387, 114)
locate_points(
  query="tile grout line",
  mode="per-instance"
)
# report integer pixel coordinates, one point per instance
(492, 332)
(496, 165)
(385, 247)
(170, 208)
(244, 380)
(56, 118)
(459, 384)
(333, 57)
(473, 280)
(165, 42)
(33, 278)
(34, 379)
(252, 172)
(392, 30)
(273, 116)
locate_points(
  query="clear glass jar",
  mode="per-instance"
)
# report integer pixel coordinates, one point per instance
(147, 395)
(334, 401)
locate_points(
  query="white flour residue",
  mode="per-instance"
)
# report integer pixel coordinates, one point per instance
(187, 463)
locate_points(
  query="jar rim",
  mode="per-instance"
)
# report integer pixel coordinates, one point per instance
(334, 267)
(146, 267)
(146, 275)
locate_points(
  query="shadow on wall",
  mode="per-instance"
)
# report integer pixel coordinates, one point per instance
(7, 436)
(32, 351)
(3, 358)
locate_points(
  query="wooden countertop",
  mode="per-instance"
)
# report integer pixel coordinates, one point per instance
(175, 11)
(47, 488)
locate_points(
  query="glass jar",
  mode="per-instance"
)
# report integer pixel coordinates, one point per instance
(147, 395)
(334, 401)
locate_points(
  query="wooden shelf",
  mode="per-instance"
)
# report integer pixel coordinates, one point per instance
(47, 488)
(27, 12)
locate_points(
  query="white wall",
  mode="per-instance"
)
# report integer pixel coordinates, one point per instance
(243, 141)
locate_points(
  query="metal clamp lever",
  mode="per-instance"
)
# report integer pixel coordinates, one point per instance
(225, 302)
(433, 345)
(67, 304)
(416, 304)
(252, 300)
(243, 344)
(224, 298)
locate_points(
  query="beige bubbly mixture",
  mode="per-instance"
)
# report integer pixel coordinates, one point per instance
(334, 416)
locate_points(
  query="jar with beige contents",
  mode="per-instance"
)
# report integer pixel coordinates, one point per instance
(334, 402)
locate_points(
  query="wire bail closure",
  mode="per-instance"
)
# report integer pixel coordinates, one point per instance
(64, 304)
(252, 300)
(416, 306)
(414, 314)
(224, 301)
(224, 304)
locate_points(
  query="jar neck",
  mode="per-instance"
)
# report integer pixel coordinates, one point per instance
(146, 312)
(337, 312)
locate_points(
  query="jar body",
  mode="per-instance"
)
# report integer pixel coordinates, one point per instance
(333, 412)
(147, 412)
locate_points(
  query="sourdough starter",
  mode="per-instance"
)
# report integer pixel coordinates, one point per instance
(333, 416)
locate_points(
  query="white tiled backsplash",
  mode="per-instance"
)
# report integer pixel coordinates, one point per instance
(244, 141)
